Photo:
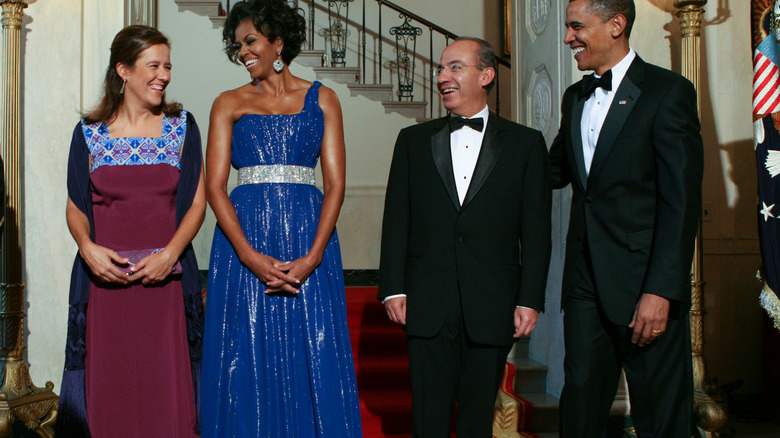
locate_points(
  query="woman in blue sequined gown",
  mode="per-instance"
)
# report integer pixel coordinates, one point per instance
(277, 355)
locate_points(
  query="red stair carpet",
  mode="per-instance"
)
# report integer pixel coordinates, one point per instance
(379, 349)
(381, 364)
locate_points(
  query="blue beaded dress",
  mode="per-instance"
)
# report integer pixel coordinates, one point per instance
(277, 365)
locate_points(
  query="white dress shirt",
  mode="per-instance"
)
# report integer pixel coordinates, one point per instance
(596, 107)
(465, 144)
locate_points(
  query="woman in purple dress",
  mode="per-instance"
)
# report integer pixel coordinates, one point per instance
(135, 184)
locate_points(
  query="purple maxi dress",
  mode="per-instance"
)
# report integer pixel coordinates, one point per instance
(138, 365)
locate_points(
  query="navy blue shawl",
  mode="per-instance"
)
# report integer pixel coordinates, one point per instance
(72, 412)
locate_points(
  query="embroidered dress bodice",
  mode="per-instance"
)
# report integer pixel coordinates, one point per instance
(106, 151)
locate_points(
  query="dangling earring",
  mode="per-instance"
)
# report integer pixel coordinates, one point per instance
(122, 90)
(278, 64)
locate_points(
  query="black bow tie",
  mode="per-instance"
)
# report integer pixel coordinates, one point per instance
(457, 122)
(591, 82)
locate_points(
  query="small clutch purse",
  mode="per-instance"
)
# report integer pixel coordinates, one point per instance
(137, 255)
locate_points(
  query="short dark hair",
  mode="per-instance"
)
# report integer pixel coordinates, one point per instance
(607, 9)
(274, 19)
(486, 56)
(127, 46)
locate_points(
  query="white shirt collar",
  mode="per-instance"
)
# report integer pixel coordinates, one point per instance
(482, 114)
(620, 69)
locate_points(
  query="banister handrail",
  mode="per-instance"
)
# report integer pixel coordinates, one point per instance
(417, 18)
(335, 33)
(431, 25)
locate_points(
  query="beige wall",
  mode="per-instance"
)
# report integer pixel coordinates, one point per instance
(732, 331)
(65, 48)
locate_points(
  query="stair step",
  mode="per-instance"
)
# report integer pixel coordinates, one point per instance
(379, 347)
(388, 330)
(206, 8)
(379, 341)
(310, 58)
(217, 22)
(531, 376)
(373, 348)
(387, 373)
(394, 408)
(412, 110)
(340, 75)
(377, 92)
(373, 312)
(545, 411)
(521, 348)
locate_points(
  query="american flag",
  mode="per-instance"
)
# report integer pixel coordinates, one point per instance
(765, 21)
(765, 83)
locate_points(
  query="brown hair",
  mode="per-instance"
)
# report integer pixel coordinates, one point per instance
(126, 48)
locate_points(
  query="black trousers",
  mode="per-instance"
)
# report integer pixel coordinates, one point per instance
(450, 368)
(659, 375)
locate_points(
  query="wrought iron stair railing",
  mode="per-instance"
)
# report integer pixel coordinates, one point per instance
(345, 43)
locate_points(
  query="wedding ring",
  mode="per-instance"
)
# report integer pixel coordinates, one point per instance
(656, 331)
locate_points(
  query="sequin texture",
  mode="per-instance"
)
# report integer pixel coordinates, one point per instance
(277, 365)
(276, 173)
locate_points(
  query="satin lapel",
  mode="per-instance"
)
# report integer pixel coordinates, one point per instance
(492, 144)
(576, 139)
(624, 101)
(442, 156)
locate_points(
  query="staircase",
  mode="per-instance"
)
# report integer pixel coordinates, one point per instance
(531, 384)
(314, 59)
(381, 363)
(380, 353)
(370, 74)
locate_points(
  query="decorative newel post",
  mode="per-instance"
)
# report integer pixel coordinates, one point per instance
(20, 400)
(710, 414)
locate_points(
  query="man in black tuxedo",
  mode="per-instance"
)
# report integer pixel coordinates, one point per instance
(464, 193)
(630, 145)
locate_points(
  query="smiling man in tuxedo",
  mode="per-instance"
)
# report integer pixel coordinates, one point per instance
(465, 245)
(630, 146)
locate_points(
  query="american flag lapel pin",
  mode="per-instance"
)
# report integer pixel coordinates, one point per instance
(622, 102)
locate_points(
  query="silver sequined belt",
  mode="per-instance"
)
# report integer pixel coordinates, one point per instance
(276, 173)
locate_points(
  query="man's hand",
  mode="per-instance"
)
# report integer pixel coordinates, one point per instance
(649, 320)
(396, 310)
(525, 321)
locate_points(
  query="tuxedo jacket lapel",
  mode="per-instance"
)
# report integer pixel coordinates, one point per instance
(442, 156)
(625, 98)
(492, 144)
(576, 140)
